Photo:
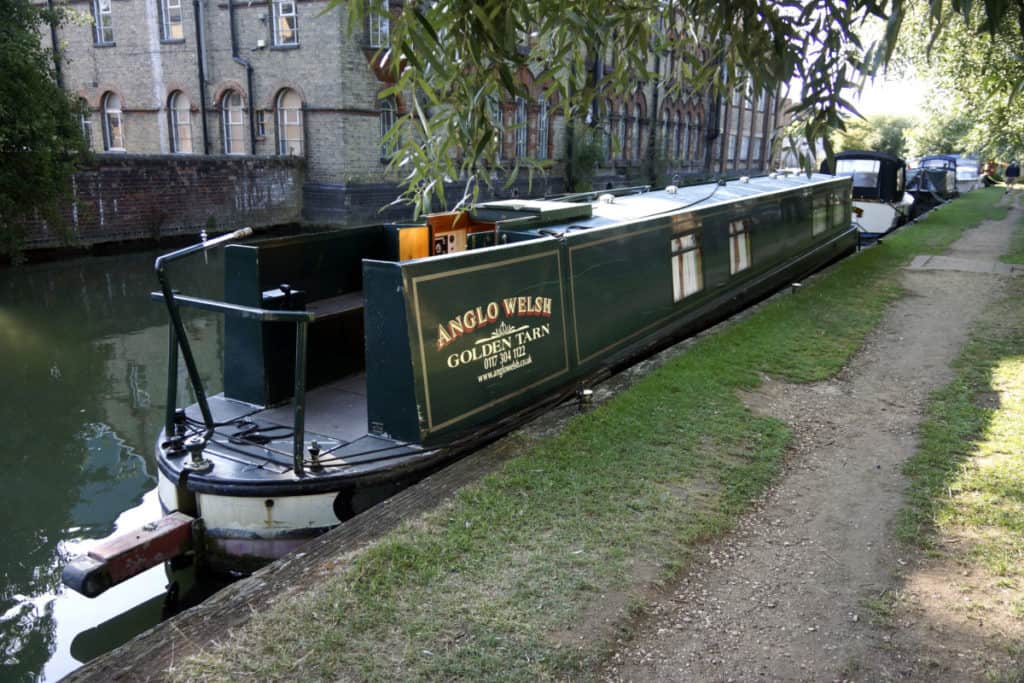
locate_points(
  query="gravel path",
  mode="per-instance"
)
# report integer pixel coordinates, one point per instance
(801, 590)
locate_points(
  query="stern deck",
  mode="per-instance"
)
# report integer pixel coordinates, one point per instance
(252, 445)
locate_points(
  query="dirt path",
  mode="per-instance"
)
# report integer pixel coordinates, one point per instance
(802, 591)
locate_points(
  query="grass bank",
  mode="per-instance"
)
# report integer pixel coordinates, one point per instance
(518, 577)
(966, 500)
(1016, 251)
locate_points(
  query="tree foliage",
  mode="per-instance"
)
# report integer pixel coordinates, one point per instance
(942, 130)
(40, 139)
(451, 59)
(876, 133)
(977, 71)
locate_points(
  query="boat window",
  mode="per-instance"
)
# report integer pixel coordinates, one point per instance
(838, 214)
(937, 163)
(863, 171)
(819, 216)
(739, 246)
(687, 270)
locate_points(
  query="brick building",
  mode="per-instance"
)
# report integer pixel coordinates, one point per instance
(285, 78)
(239, 78)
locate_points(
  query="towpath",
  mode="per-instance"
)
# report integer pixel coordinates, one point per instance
(790, 595)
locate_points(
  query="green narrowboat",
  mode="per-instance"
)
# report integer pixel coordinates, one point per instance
(358, 361)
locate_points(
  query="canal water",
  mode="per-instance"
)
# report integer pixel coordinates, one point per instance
(82, 390)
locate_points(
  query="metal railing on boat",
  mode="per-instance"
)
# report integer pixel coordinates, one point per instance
(178, 340)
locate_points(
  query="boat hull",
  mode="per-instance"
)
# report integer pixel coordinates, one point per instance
(880, 218)
(241, 534)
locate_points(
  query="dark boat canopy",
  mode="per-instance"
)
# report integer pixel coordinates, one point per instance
(876, 175)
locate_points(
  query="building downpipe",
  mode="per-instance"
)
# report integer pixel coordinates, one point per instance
(197, 12)
(58, 69)
(248, 76)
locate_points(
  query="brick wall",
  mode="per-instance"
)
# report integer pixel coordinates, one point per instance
(125, 197)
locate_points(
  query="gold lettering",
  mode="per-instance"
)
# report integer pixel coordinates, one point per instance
(481, 316)
(443, 339)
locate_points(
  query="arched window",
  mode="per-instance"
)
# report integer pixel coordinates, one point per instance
(640, 131)
(677, 138)
(289, 124)
(686, 139)
(634, 151)
(542, 129)
(179, 119)
(520, 128)
(113, 123)
(620, 126)
(497, 120)
(387, 122)
(606, 131)
(695, 144)
(665, 117)
(85, 121)
(233, 122)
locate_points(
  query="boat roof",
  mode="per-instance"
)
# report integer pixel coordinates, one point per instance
(866, 154)
(949, 161)
(614, 207)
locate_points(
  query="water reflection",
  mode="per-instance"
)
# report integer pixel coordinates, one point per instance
(82, 376)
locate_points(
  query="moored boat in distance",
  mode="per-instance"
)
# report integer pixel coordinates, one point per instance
(930, 186)
(359, 361)
(968, 174)
(881, 202)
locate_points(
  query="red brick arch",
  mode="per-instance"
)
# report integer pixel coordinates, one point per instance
(222, 88)
(177, 86)
(277, 86)
(401, 107)
(96, 101)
